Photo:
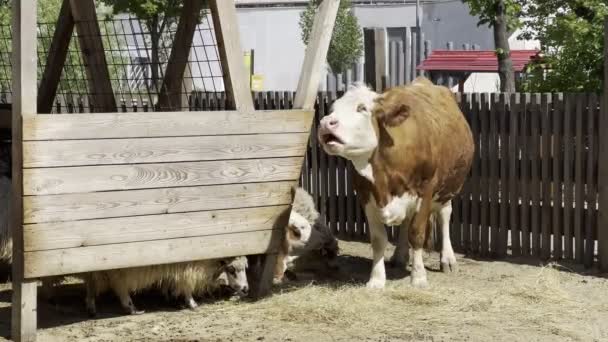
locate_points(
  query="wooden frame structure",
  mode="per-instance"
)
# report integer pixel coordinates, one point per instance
(111, 190)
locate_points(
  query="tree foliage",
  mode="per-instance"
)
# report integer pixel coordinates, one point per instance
(346, 45)
(571, 34)
(503, 17)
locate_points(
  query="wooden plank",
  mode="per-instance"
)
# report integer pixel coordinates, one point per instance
(55, 60)
(369, 42)
(236, 79)
(494, 172)
(591, 195)
(350, 201)
(514, 115)
(53, 208)
(132, 254)
(380, 51)
(525, 175)
(504, 169)
(475, 189)
(24, 85)
(332, 190)
(264, 284)
(161, 150)
(85, 233)
(323, 204)
(485, 174)
(558, 148)
(466, 189)
(568, 189)
(535, 189)
(170, 97)
(341, 169)
(579, 193)
(602, 222)
(316, 54)
(64, 180)
(93, 56)
(163, 124)
(546, 176)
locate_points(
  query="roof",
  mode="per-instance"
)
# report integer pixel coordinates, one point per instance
(474, 60)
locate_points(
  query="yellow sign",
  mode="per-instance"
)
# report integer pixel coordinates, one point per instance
(257, 82)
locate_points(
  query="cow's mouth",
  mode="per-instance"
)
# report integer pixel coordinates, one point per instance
(332, 139)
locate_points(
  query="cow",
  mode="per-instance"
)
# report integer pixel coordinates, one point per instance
(412, 149)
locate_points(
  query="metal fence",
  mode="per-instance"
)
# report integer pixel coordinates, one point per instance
(128, 50)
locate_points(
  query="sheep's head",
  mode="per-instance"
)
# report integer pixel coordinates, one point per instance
(233, 274)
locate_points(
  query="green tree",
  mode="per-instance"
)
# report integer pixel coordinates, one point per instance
(156, 16)
(571, 34)
(347, 40)
(503, 16)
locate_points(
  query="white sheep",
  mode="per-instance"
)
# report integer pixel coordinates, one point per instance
(185, 279)
(306, 232)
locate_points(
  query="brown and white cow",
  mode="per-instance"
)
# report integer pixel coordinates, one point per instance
(412, 149)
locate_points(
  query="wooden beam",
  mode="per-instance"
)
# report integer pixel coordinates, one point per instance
(162, 124)
(58, 52)
(93, 56)
(70, 180)
(380, 50)
(170, 92)
(24, 75)
(236, 81)
(110, 204)
(86, 233)
(134, 254)
(162, 150)
(602, 222)
(316, 54)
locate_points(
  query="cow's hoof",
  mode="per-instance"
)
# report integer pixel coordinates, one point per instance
(375, 284)
(277, 281)
(92, 313)
(448, 263)
(136, 312)
(192, 304)
(419, 282)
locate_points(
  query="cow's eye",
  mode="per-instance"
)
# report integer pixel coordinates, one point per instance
(361, 108)
(231, 270)
(296, 233)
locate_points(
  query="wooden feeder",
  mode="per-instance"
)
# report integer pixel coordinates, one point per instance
(112, 190)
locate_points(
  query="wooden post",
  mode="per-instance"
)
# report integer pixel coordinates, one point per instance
(56, 58)
(602, 222)
(316, 54)
(170, 97)
(24, 61)
(380, 52)
(89, 36)
(226, 28)
(369, 41)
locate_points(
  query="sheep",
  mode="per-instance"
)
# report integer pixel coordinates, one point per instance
(180, 279)
(305, 233)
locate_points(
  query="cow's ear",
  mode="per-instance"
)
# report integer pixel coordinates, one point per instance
(393, 115)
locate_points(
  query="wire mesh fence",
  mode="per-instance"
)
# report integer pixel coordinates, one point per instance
(136, 59)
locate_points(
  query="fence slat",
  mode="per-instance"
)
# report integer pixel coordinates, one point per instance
(504, 168)
(558, 147)
(524, 220)
(578, 179)
(546, 177)
(485, 174)
(592, 135)
(535, 167)
(494, 169)
(466, 189)
(323, 202)
(475, 174)
(514, 114)
(568, 195)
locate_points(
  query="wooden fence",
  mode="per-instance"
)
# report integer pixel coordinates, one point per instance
(533, 187)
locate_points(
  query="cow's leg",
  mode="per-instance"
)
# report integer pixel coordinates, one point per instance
(417, 236)
(90, 296)
(379, 240)
(448, 260)
(125, 300)
(401, 255)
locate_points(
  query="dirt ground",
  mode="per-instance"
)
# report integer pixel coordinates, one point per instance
(485, 301)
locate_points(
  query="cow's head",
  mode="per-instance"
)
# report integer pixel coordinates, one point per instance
(349, 130)
(233, 274)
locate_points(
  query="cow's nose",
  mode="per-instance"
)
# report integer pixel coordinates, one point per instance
(329, 122)
(245, 289)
